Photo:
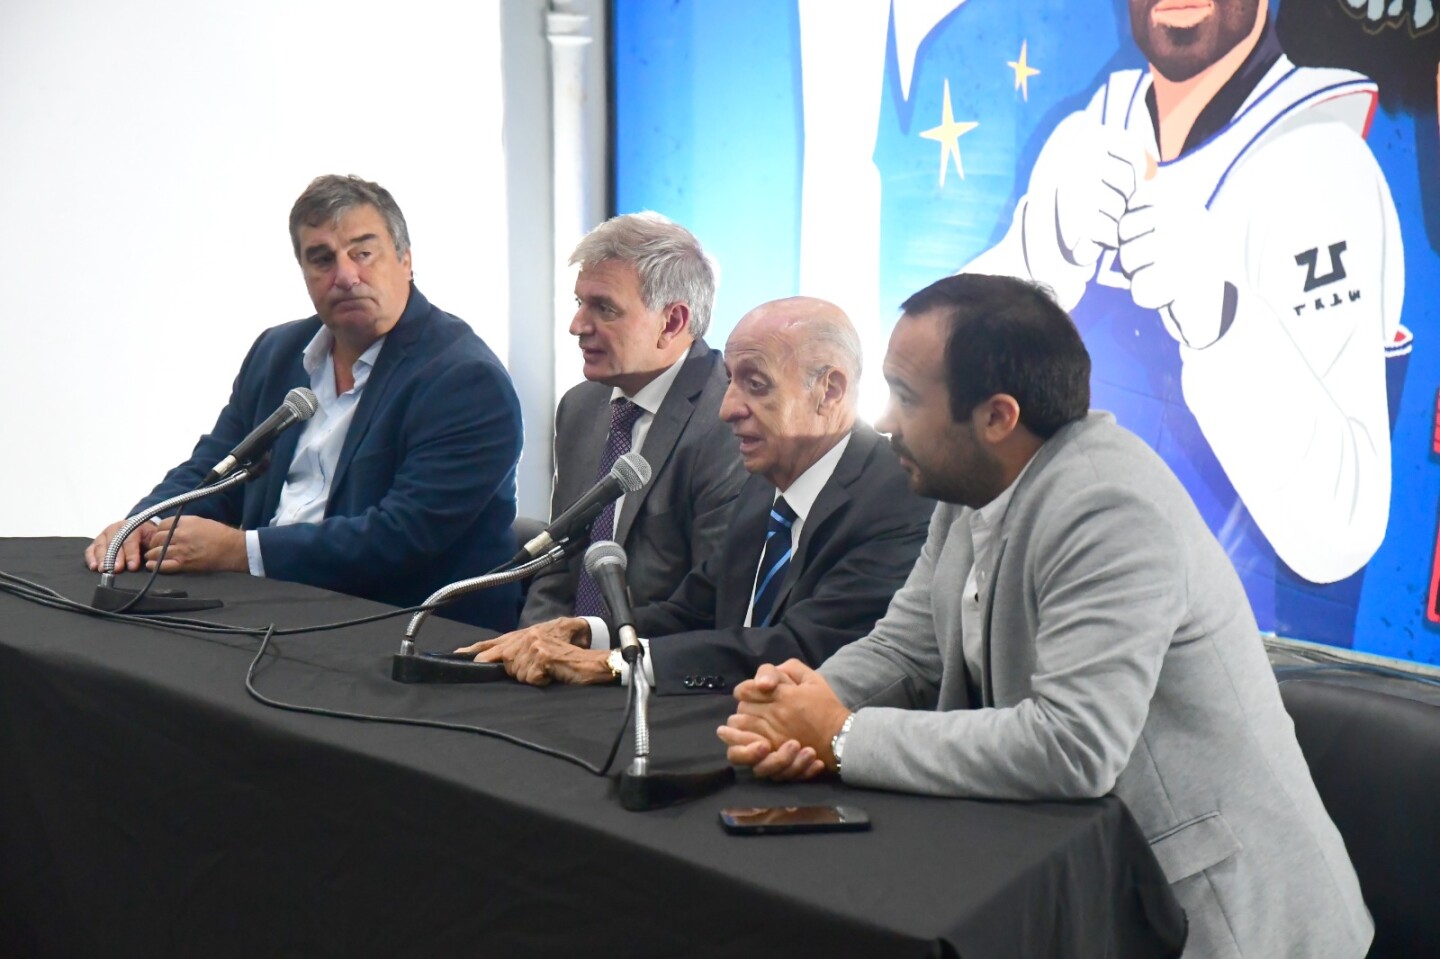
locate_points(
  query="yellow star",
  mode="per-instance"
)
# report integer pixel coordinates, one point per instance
(1023, 72)
(948, 133)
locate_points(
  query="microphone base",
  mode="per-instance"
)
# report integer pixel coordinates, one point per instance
(640, 792)
(112, 598)
(443, 668)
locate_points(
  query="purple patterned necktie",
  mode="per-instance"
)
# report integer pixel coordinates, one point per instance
(623, 414)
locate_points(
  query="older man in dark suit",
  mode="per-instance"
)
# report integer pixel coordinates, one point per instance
(823, 532)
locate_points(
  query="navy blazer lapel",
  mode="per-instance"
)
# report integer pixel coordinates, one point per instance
(665, 430)
(398, 344)
(282, 454)
(748, 525)
(834, 495)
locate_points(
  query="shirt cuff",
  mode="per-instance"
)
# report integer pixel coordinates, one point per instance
(645, 665)
(252, 552)
(599, 632)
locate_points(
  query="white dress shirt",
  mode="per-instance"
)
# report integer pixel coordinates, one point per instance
(312, 470)
(801, 495)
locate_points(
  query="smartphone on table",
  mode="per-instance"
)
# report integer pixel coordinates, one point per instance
(775, 820)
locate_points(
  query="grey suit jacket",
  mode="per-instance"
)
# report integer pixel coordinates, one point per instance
(1119, 653)
(678, 520)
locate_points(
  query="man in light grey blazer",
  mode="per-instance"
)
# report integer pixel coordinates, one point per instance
(644, 293)
(1099, 640)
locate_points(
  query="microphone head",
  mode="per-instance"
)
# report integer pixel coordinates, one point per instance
(633, 473)
(302, 403)
(607, 552)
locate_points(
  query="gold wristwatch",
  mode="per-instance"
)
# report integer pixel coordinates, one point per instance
(616, 662)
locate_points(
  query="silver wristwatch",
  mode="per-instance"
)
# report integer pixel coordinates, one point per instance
(837, 742)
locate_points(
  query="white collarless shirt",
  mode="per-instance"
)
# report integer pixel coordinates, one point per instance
(984, 524)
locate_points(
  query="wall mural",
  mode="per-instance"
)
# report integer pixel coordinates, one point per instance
(1238, 202)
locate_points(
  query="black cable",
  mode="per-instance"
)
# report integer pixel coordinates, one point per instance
(45, 596)
(144, 590)
(430, 723)
(255, 469)
(61, 601)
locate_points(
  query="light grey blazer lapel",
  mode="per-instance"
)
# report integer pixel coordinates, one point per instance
(993, 571)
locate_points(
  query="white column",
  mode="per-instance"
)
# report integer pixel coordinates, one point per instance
(576, 157)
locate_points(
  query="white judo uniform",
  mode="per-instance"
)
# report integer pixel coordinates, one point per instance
(1270, 257)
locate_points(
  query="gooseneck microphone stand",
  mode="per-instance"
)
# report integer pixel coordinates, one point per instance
(110, 597)
(407, 666)
(641, 789)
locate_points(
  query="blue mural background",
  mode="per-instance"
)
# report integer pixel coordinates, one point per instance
(710, 130)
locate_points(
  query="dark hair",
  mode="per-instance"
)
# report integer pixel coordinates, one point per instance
(1009, 336)
(328, 197)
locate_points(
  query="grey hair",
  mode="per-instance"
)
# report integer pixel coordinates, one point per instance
(672, 266)
(329, 197)
(831, 343)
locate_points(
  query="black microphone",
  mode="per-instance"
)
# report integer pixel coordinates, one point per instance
(629, 474)
(300, 404)
(605, 562)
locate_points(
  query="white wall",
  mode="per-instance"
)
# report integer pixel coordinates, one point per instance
(149, 154)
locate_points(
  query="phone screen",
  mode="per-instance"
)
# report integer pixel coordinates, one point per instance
(782, 819)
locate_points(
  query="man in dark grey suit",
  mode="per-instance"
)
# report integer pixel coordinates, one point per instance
(822, 534)
(1071, 629)
(644, 294)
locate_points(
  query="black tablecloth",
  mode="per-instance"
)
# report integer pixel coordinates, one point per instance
(149, 806)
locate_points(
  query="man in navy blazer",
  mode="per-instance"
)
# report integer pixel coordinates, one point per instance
(403, 480)
(823, 532)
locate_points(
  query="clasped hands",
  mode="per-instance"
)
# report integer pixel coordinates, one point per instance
(786, 717)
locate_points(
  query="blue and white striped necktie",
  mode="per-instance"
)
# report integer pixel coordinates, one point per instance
(774, 561)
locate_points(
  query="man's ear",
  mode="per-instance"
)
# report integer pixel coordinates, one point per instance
(677, 323)
(997, 417)
(831, 389)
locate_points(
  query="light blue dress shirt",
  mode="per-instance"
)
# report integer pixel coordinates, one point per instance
(312, 470)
